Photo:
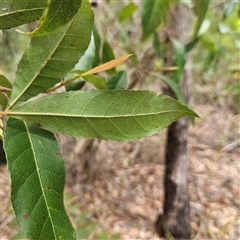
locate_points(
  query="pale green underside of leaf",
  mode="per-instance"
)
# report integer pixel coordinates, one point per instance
(114, 115)
(57, 14)
(49, 58)
(15, 13)
(38, 176)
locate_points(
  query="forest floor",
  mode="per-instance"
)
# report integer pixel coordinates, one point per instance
(126, 193)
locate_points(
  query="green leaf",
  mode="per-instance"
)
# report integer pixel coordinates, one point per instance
(57, 14)
(118, 81)
(229, 8)
(152, 15)
(173, 85)
(97, 42)
(38, 176)
(179, 59)
(16, 13)
(204, 27)
(126, 12)
(157, 44)
(201, 10)
(208, 43)
(189, 46)
(4, 82)
(97, 81)
(49, 58)
(208, 60)
(91, 58)
(108, 55)
(105, 114)
(75, 85)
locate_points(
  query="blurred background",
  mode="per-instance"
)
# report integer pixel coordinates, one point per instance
(115, 190)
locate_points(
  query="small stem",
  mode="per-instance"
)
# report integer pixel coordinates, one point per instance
(62, 83)
(5, 95)
(5, 89)
(3, 113)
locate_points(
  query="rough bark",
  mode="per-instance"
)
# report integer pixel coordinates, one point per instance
(176, 216)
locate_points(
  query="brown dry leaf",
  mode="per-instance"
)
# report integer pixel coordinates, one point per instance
(108, 65)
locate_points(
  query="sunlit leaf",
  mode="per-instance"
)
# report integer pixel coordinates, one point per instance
(105, 114)
(201, 10)
(91, 58)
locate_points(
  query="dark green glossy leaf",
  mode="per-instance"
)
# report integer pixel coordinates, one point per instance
(126, 12)
(118, 81)
(189, 46)
(57, 14)
(15, 13)
(49, 58)
(75, 85)
(38, 175)
(105, 114)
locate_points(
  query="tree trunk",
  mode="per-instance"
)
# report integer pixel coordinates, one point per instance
(176, 216)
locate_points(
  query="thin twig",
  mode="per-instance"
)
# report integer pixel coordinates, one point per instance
(5, 89)
(62, 83)
(5, 95)
(231, 146)
(3, 113)
(7, 221)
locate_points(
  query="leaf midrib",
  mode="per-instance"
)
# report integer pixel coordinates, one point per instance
(43, 65)
(37, 169)
(21, 11)
(93, 116)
